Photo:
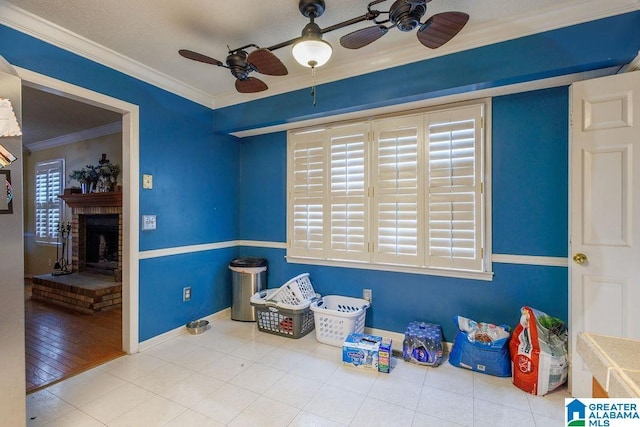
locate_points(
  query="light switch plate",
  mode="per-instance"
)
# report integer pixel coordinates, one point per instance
(147, 182)
(148, 222)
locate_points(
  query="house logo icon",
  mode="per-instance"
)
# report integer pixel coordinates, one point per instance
(576, 413)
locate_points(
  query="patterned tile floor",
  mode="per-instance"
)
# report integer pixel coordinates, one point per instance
(235, 375)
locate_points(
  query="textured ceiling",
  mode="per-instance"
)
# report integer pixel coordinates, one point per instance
(46, 116)
(149, 33)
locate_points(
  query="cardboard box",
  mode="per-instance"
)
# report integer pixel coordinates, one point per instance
(361, 351)
(384, 355)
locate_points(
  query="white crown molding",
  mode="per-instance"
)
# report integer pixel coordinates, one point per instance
(553, 17)
(56, 35)
(74, 137)
(564, 15)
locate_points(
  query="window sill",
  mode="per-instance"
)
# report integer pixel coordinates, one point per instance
(486, 276)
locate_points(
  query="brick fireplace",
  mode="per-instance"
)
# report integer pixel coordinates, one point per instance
(95, 284)
(88, 207)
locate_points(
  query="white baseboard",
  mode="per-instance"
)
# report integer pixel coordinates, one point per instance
(396, 337)
(181, 330)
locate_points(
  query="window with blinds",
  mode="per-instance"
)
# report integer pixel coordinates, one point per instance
(400, 191)
(48, 206)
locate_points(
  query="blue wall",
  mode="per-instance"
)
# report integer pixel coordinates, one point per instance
(530, 169)
(529, 176)
(195, 176)
(210, 187)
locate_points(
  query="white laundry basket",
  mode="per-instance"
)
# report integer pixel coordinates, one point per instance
(337, 316)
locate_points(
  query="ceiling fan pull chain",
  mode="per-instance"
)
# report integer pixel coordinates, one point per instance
(313, 85)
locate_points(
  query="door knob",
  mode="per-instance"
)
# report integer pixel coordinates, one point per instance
(579, 259)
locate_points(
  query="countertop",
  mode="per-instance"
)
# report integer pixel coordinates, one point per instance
(613, 361)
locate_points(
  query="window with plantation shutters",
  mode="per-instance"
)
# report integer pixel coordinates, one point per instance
(401, 193)
(48, 206)
(348, 201)
(307, 188)
(454, 189)
(396, 191)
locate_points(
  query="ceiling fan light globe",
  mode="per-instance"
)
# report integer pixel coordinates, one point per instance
(312, 52)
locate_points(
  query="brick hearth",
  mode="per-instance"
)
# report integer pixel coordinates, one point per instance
(84, 292)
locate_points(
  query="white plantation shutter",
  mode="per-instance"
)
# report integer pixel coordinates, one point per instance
(401, 192)
(348, 210)
(396, 180)
(454, 189)
(307, 193)
(49, 185)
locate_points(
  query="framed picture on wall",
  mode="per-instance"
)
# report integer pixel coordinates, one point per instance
(6, 192)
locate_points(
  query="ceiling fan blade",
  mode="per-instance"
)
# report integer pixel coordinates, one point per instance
(189, 54)
(362, 37)
(250, 85)
(441, 28)
(265, 62)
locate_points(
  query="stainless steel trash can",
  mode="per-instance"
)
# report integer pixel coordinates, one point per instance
(248, 276)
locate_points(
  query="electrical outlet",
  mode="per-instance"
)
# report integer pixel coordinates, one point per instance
(367, 294)
(186, 293)
(148, 222)
(49, 262)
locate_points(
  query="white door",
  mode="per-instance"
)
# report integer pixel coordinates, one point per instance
(605, 213)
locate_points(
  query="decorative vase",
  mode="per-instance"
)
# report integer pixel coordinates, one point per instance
(84, 187)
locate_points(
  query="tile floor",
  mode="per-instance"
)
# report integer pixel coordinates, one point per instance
(235, 375)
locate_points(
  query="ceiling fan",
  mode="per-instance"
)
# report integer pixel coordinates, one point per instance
(405, 15)
(241, 63)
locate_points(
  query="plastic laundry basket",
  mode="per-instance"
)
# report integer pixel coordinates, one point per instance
(337, 316)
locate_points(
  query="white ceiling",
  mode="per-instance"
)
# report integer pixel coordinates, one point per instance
(142, 37)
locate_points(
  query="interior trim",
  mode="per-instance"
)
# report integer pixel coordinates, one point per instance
(182, 330)
(74, 137)
(396, 337)
(530, 260)
(548, 83)
(28, 23)
(180, 250)
(499, 258)
(130, 190)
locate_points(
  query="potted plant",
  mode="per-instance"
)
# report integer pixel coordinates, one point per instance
(109, 172)
(82, 176)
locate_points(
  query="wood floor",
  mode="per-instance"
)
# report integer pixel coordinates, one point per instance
(61, 343)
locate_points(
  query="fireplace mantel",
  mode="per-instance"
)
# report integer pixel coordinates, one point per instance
(106, 199)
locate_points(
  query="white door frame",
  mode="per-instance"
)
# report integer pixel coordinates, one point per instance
(130, 190)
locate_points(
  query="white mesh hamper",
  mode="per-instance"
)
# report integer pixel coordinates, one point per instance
(295, 292)
(336, 317)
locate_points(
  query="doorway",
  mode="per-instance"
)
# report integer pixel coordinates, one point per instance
(129, 178)
(604, 248)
